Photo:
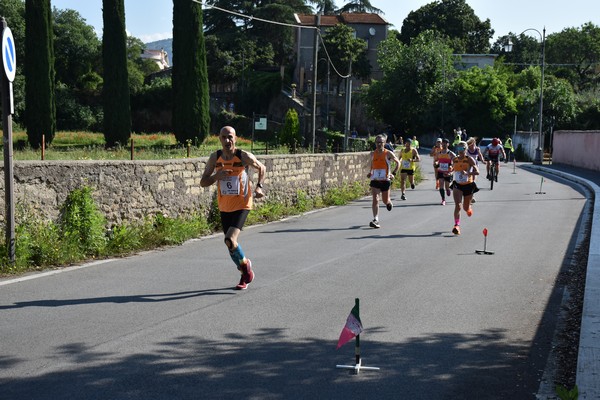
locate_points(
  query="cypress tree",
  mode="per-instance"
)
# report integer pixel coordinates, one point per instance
(191, 118)
(40, 117)
(115, 93)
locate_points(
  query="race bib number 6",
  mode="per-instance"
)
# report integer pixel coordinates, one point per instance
(230, 186)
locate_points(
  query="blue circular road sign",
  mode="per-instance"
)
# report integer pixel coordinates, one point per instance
(9, 54)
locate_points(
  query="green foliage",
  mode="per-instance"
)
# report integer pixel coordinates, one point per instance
(37, 242)
(290, 132)
(232, 29)
(576, 51)
(453, 19)
(259, 89)
(344, 48)
(481, 98)
(415, 78)
(335, 141)
(339, 196)
(123, 239)
(76, 46)
(117, 108)
(269, 210)
(567, 394)
(303, 202)
(148, 106)
(589, 116)
(81, 223)
(361, 6)
(191, 117)
(39, 72)
(71, 114)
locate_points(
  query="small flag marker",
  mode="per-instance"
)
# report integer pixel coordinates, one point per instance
(541, 183)
(353, 328)
(484, 251)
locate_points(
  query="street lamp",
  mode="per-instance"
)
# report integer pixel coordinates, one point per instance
(539, 152)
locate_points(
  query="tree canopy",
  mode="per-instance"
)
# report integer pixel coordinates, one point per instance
(452, 19)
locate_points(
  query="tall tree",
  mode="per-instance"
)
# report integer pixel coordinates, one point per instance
(345, 49)
(577, 53)
(479, 99)
(325, 7)
(454, 19)
(39, 72)
(415, 78)
(191, 118)
(76, 46)
(117, 108)
(360, 6)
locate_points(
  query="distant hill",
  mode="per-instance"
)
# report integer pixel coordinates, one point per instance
(166, 44)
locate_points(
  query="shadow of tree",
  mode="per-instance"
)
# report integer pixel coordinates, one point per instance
(265, 365)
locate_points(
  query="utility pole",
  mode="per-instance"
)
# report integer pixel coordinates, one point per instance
(348, 104)
(314, 86)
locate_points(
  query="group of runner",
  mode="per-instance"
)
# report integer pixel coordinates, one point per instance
(228, 169)
(455, 173)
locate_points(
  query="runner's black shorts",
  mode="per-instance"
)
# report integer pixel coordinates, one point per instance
(447, 178)
(384, 186)
(467, 189)
(409, 171)
(235, 219)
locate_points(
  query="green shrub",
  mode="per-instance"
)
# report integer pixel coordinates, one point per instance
(290, 132)
(123, 239)
(81, 224)
(303, 202)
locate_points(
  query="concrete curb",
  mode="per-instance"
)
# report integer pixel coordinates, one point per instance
(588, 360)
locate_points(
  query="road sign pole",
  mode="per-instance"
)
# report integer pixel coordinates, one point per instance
(9, 61)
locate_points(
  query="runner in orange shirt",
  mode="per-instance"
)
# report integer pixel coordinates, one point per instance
(234, 195)
(381, 177)
(465, 169)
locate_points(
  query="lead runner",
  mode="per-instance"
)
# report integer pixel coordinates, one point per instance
(234, 195)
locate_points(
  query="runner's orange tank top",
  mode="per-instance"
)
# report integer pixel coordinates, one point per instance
(380, 166)
(235, 192)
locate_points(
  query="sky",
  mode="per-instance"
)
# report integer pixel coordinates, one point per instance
(151, 20)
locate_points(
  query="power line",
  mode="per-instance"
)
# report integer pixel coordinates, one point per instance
(251, 18)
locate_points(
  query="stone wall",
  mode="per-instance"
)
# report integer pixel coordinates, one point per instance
(131, 190)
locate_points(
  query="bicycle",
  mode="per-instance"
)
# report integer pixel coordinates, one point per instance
(493, 175)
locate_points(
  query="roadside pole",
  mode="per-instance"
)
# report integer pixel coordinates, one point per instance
(8, 75)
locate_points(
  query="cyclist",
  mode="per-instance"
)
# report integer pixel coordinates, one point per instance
(492, 153)
(465, 169)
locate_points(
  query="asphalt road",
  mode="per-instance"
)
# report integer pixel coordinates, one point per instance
(440, 321)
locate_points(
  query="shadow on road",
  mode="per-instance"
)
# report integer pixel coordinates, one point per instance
(265, 365)
(145, 298)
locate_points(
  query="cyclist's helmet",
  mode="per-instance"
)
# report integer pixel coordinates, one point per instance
(495, 142)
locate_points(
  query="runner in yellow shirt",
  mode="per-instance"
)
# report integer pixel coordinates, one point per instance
(408, 157)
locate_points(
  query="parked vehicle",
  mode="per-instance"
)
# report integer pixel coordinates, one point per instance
(483, 143)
